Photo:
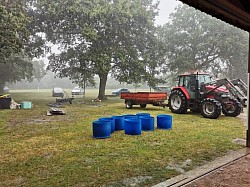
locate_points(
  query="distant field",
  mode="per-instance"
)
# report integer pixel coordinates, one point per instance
(89, 92)
(40, 150)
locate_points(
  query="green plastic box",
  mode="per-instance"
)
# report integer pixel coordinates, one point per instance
(26, 104)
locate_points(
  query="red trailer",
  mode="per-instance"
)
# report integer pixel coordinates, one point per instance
(144, 98)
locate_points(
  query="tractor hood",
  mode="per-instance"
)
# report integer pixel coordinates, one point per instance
(208, 88)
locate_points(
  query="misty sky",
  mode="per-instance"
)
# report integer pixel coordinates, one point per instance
(166, 7)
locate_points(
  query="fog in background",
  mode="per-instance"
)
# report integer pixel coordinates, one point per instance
(166, 7)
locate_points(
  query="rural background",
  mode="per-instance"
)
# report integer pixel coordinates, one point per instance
(101, 46)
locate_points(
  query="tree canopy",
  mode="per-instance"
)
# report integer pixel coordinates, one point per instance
(13, 30)
(117, 38)
(15, 69)
(196, 41)
(17, 45)
(101, 37)
(13, 36)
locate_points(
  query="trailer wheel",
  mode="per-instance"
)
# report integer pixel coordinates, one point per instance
(210, 108)
(233, 108)
(177, 102)
(129, 104)
(143, 105)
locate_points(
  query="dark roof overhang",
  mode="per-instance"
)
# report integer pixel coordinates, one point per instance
(234, 12)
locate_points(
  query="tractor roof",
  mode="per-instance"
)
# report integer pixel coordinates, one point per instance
(194, 73)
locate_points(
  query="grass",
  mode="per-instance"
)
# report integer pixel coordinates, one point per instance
(40, 150)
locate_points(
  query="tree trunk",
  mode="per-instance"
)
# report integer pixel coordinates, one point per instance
(1, 87)
(102, 86)
(84, 88)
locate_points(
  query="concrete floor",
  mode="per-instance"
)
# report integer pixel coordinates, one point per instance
(199, 172)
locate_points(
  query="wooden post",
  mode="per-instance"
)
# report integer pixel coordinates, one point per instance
(248, 94)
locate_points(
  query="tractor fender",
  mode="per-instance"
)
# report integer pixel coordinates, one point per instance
(183, 90)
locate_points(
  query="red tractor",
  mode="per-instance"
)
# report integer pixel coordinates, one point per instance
(200, 93)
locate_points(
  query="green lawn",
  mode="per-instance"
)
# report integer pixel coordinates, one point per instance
(40, 150)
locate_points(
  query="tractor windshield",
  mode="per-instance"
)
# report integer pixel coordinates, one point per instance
(204, 78)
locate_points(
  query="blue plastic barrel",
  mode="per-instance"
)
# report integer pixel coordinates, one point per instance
(147, 123)
(143, 114)
(164, 121)
(119, 122)
(101, 129)
(112, 120)
(126, 116)
(132, 126)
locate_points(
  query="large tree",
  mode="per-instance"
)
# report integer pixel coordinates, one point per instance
(16, 68)
(13, 31)
(19, 43)
(196, 41)
(234, 53)
(13, 38)
(100, 37)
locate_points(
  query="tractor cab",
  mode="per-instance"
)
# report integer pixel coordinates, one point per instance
(194, 83)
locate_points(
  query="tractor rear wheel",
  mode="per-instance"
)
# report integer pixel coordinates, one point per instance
(177, 102)
(210, 108)
(232, 108)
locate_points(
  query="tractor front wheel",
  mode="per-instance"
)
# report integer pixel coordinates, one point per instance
(210, 108)
(177, 102)
(232, 108)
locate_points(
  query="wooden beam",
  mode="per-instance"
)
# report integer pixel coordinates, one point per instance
(248, 94)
